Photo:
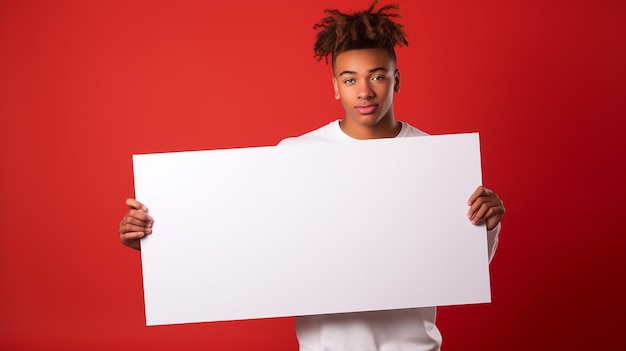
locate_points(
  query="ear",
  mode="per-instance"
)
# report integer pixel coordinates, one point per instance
(336, 88)
(396, 81)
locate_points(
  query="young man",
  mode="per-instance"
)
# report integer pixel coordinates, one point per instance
(361, 46)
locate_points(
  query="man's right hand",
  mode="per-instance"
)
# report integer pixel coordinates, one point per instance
(135, 225)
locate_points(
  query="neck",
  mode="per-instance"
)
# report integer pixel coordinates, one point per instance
(385, 128)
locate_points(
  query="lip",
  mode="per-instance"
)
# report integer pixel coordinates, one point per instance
(366, 109)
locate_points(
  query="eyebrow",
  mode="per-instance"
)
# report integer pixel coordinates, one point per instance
(381, 68)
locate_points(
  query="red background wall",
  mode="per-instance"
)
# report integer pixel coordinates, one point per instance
(84, 84)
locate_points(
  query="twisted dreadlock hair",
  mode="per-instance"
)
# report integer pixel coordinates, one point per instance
(341, 32)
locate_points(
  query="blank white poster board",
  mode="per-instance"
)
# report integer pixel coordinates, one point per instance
(311, 229)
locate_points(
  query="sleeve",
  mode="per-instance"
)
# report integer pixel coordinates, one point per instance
(285, 141)
(492, 240)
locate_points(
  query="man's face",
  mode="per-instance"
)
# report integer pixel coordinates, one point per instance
(365, 81)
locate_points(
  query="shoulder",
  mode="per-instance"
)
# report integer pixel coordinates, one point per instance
(328, 132)
(410, 131)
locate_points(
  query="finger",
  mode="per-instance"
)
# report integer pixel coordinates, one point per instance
(139, 215)
(485, 211)
(126, 237)
(133, 222)
(134, 204)
(491, 212)
(136, 222)
(476, 214)
(480, 206)
(130, 228)
(480, 191)
(474, 206)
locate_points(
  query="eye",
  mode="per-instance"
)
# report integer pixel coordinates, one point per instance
(349, 81)
(378, 77)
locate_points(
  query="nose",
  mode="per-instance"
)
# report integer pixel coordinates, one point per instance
(364, 90)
